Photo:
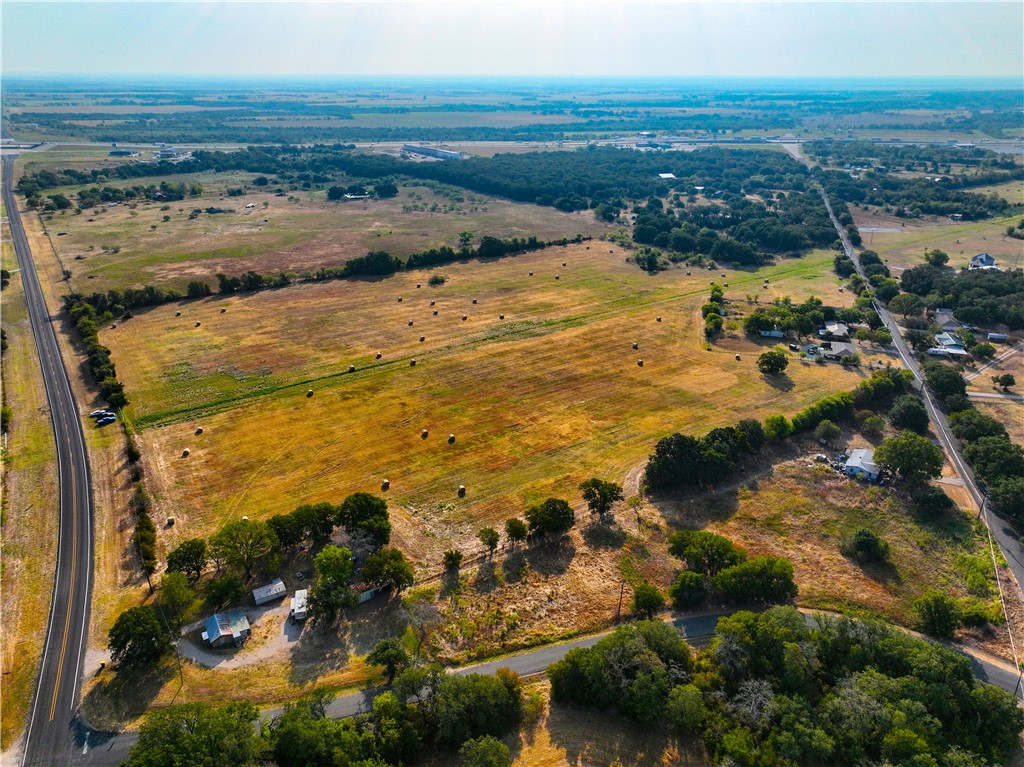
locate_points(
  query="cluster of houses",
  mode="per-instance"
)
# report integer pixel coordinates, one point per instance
(232, 628)
(947, 342)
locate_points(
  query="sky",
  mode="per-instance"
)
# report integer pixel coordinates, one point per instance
(592, 38)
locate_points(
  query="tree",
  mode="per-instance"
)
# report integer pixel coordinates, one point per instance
(552, 516)
(363, 511)
(827, 431)
(687, 590)
(873, 427)
(175, 597)
(944, 380)
(244, 543)
(777, 427)
(138, 637)
(685, 710)
(970, 425)
(474, 704)
(938, 615)
(515, 530)
(995, 457)
(390, 654)
(647, 600)
(600, 495)
(881, 337)
(865, 546)
(315, 521)
(452, 559)
(936, 257)
(913, 457)
(1006, 380)
(908, 412)
(488, 536)
(188, 557)
(983, 351)
(907, 304)
(705, 552)
(198, 735)
(390, 567)
(385, 189)
(772, 362)
(761, 579)
(486, 751)
(330, 591)
(1008, 497)
(224, 589)
(465, 240)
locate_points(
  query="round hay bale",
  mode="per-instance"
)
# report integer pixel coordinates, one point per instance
(462, 491)
(245, 518)
(465, 317)
(412, 363)
(658, 319)
(588, 247)
(435, 312)
(640, 363)
(113, 325)
(384, 485)
(712, 282)
(431, 303)
(557, 277)
(198, 323)
(451, 439)
(423, 434)
(378, 355)
(422, 339)
(474, 300)
(309, 393)
(222, 310)
(399, 299)
(351, 368)
(185, 453)
(726, 284)
(417, 285)
(687, 272)
(531, 274)
(636, 346)
(564, 263)
(737, 358)
(765, 280)
(723, 274)
(410, 323)
(170, 522)
(199, 430)
(177, 314)
(501, 316)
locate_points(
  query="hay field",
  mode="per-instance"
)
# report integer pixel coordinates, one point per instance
(281, 234)
(905, 247)
(538, 401)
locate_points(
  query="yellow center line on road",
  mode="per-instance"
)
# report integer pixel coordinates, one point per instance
(71, 580)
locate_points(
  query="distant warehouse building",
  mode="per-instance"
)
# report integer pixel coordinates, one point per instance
(430, 151)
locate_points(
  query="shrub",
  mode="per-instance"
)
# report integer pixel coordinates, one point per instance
(827, 431)
(647, 600)
(761, 579)
(938, 615)
(452, 559)
(705, 552)
(687, 590)
(908, 412)
(437, 279)
(865, 546)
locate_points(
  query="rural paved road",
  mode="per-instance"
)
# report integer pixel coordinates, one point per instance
(50, 737)
(107, 750)
(1004, 535)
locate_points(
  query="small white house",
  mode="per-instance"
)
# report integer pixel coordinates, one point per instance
(227, 628)
(861, 463)
(835, 330)
(773, 333)
(982, 261)
(272, 591)
(298, 610)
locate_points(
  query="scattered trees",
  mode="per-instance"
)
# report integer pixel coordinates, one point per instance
(198, 734)
(687, 590)
(1006, 380)
(913, 457)
(705, 552)
(515, 530)
(488, 536)
(772, 362)
(367, 513)
(552, 516)
(330, 592)
(452, 559)
(761, 579)
(600, 495)
(486, 751)
(389, 567)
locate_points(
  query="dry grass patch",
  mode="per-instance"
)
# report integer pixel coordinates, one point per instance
(1009, 414)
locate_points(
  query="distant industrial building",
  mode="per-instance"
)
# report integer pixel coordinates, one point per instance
(125, 153)
(173, 153)
(430, 151)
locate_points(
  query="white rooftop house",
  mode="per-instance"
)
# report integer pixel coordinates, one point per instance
(298, 608)
(982, 261)
(269, 593)
(861, 463)
(666, 176)
(835, 330)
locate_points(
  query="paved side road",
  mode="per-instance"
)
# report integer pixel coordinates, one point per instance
(106, 751)
(49, 738)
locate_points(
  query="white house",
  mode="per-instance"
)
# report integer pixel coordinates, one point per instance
(298, 609)
(272, 591)
(837, 350)
(982, 261)
(773, 333)
(861, 463)
(835, 330)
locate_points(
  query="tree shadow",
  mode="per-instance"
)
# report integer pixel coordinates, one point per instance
(485, 580)
(124, 695)
(880, 572)
(515, 566)
(602, 535)
(551, 558)
(779, 381)
(319, 651)
(451, 583)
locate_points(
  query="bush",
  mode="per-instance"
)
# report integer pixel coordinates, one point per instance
(772, 362)
(687, 590)
(865, 546)
(647, 600)
(908, 412)
(827, 431)
(437, 279)
(705, 552)
(452, 559)
(933, 501)
(873, 427)
(486, 751)
(761, 579)
(938, 615)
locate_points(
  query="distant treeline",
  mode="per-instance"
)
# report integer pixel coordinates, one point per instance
(976, 296)
(115, 303)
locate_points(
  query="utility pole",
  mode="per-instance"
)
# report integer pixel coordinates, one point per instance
(618, 610)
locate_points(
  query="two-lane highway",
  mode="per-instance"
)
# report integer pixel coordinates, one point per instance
(50, 737)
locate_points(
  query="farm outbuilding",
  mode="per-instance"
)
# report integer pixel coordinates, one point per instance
(223, 629)
(272, 591)
(861, 463)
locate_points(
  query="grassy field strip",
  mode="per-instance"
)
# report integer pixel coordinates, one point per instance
(624, 306)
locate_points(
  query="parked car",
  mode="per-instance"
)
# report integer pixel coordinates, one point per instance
(105, 420)
(794, 347)
(97, 413)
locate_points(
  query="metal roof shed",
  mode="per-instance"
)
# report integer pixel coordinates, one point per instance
(272, 591)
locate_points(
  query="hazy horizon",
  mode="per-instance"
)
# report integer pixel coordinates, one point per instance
(870, 41)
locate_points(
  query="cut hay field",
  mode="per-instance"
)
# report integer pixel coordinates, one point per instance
(281, 234)
(538, 401)
(905, 247)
